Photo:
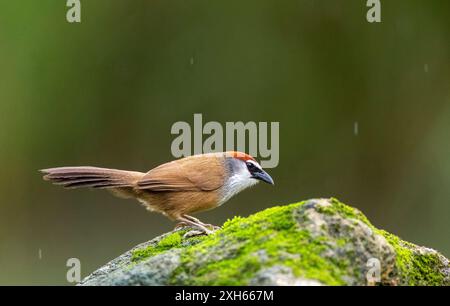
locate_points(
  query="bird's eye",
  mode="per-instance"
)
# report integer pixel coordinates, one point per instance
(251, 167)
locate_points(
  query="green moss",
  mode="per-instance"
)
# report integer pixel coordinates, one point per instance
(276, 233)
(234, 254)
(346, 211)
(166, 243)
(414, 268)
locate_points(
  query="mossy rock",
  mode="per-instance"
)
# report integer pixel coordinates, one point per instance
(315, 242)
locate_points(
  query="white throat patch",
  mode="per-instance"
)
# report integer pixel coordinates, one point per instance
(239, 180)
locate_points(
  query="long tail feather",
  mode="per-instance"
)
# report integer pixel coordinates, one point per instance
(93, 177)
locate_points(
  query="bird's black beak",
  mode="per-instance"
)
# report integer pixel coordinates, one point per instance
(263, 176)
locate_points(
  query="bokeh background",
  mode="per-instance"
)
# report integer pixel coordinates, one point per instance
(105, 92)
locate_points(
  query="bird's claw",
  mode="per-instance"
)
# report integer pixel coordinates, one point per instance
(194, 233)
(200, 232)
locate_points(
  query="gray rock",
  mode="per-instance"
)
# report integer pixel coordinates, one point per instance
(315, 242)
(280, 276)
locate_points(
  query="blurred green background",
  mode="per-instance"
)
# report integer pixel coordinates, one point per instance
(105, 92)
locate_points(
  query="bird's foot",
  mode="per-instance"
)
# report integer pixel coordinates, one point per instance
(199, 228)
(197, 221)
(195, 233)
(182, 225)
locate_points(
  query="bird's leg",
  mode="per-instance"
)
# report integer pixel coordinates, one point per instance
(214, 227)
(193, 219)
(198, 225)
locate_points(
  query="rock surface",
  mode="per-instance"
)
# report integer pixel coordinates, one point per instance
(315, 242)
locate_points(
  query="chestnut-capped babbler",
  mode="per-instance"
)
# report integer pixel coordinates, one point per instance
(175, 189)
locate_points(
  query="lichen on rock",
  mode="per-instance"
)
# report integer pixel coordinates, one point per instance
(315, 242)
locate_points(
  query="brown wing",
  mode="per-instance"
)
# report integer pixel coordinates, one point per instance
(187, 174)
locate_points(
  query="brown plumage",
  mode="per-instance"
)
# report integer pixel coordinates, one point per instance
(175, 189)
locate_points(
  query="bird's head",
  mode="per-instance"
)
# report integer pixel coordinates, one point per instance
(247, 167)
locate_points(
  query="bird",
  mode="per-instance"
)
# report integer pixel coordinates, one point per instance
(176, 189)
